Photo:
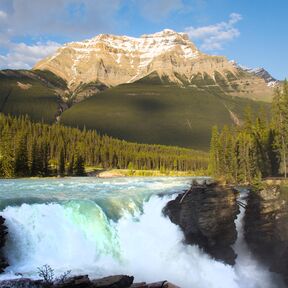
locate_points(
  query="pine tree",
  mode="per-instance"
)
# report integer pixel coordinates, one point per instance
(214, 157)
(273, 154)
(61, 163)
(280, 123)
(21, 167)
(7, 161)
(71, 166)
(79, 165)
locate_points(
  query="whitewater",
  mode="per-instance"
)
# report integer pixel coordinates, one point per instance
(103, 227)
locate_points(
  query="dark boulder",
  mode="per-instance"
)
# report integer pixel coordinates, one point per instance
(206, 214)
(117, 281)
(3, 233)
(266, 227)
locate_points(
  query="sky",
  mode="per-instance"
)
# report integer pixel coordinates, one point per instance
(251, 32)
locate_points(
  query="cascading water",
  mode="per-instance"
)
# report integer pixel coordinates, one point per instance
(252, 273)
(106, 227)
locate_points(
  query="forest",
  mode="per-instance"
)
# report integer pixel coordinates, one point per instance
(30, 149)
(255, 149)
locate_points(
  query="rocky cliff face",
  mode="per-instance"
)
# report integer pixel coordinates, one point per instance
(266, 229)
(3, 232)
(206, 214)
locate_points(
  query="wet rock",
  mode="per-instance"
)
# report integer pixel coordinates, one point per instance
(82, 281)
(118, 281)
(3, 233)
(21, 283)
(206, 214)
(266, 227)
(162, 284)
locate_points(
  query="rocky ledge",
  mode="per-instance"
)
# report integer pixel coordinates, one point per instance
(266, 229)
(3, 232)
(118, 281)
(206, 214)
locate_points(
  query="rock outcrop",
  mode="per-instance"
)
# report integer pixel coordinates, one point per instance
(83, 281)
(3, 233)
(206, 214)
(266, 227)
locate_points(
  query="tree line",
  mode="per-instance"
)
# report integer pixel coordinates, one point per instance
(38, 149)
(255, 149)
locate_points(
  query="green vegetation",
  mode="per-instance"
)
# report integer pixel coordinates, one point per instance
(143, 173)
(25, 92)
(154, 111)
(256, 149)
(37, 149)
(151, 110)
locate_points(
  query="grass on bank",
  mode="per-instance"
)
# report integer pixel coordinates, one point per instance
(143, 173)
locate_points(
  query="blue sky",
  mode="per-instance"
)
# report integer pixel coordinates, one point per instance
(253, 33)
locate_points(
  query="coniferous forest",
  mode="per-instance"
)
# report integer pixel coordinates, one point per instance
(38, 149)
(255, 149)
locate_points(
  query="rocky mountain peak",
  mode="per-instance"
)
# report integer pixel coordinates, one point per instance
(259, 72)
(109, 60)
(113, 60)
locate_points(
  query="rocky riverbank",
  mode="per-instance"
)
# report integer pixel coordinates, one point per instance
(117, 281)
(3, 233)
(266, 226)
(206, 214)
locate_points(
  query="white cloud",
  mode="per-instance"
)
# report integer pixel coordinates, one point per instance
(3, 15)
(35, 19)
(23, 56)
(213, 37)
(59, 17)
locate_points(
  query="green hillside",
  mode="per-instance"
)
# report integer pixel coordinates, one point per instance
(151, 110)
(154, 111)
(25, 92)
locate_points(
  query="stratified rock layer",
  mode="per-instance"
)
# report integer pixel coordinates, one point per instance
(206, 214)
(3, 232)
(266, 227)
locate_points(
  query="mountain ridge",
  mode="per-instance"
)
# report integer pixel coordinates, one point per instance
(112, 60)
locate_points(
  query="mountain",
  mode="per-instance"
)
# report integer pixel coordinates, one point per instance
(121, 59)
(261, 73)
(157, 89)
(109, 60)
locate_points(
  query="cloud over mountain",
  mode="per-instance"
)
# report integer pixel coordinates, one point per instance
(213, 37)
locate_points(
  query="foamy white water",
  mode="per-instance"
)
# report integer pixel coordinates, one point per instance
(106, 227)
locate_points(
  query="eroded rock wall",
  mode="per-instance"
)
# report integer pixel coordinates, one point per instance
(3, 232)
(206, 214)
(266, 227)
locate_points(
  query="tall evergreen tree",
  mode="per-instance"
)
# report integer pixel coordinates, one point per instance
(79, 165)
(214, 157)
(7, 161)
(21, 156)
(61, 163)
(280, 123)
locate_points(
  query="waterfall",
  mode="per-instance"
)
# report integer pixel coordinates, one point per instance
(123, 231)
